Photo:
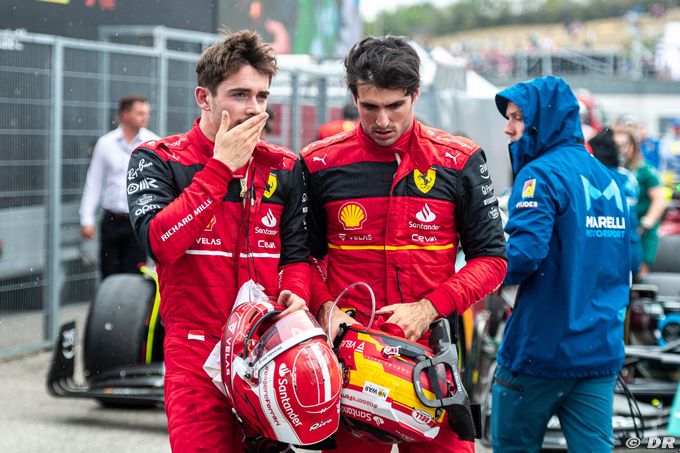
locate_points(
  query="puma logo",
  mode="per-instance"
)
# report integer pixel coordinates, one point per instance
(452, 157)
(320, 159)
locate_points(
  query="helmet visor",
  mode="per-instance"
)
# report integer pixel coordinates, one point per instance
(290, 330)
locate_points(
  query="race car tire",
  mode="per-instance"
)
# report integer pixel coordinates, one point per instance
(116, 328)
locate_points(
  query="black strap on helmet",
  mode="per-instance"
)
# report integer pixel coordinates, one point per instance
(256, 326)
(464, 417)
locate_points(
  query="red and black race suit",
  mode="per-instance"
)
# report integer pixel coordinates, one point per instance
(208, 234)
(394, 216)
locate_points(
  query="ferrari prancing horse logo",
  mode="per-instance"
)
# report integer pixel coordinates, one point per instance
(271, 186)
(424, 182)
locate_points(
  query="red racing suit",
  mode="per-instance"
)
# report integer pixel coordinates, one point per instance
(210, 230)
(393, 217)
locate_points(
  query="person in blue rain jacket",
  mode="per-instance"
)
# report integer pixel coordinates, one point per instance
(568, 250)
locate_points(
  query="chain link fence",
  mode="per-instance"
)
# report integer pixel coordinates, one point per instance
(58, 95)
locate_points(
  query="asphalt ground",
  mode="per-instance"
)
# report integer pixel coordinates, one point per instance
(33, 421)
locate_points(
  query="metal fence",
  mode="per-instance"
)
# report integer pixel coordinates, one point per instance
(58, 95)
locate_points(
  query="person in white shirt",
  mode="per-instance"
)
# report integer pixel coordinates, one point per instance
(105, 185)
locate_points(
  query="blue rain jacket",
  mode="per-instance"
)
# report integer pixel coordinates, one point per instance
(568, 245)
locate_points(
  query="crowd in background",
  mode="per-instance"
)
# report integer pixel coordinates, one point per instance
(654, 167)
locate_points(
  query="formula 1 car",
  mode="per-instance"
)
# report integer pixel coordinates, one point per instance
(122, 347)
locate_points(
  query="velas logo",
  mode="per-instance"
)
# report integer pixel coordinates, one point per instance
(529, 188)
(593, 193)
(426, 215)
(269, 220)
(352, 215)
(271, 186)
(424, 182)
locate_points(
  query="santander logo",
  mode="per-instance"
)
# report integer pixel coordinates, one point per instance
(283, 370)
(269, 220)
(426, 215)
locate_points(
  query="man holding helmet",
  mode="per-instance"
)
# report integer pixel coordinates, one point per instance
(216, 207)
(389, 202)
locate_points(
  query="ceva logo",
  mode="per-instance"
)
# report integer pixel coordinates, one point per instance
(593, 193)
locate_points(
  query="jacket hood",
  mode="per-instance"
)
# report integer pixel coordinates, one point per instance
(551, 118)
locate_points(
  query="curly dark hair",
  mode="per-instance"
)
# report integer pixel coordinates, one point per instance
(386, 62)
(236, 50)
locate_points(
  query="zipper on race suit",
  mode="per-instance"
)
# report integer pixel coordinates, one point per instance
(245, 214)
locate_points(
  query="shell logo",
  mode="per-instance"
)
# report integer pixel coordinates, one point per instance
(352, 216)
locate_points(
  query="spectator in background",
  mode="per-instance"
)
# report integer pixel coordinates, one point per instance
(569, 249)
(588, 130)
(670, 153)
(350, 114)
(649, 146)
(606, 150)
(652, 201)
(105, 185)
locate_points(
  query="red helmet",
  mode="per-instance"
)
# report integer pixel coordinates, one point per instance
(396, 390)
(280, 376)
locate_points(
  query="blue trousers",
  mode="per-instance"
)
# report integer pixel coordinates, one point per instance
(522, 405)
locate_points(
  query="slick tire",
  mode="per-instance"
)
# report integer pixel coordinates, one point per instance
(116, 327)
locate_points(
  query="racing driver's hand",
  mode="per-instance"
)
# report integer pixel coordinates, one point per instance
(339, 317)
(292, 302)
(235, 145)
(414, 318)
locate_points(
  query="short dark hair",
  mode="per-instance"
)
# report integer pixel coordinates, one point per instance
(385, 62)
(236, 50)
(126, 102)
(605, 148)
